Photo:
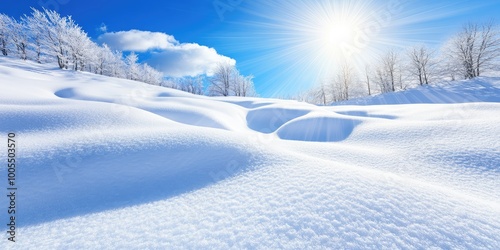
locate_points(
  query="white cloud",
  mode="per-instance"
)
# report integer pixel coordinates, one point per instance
(137, 40)
(167, 54)
(103, 28)
(187, 59)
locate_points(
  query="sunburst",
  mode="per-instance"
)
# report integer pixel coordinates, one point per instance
(308, 39)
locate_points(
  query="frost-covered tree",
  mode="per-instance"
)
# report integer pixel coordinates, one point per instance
(56, 34)
(19, 36)
(227, 81)
(242, 85)
(35, 30)
(220, 83)
(5, 32)
(62, 38)
(150, 75)
(46, 36)
(132, 67)
(91, 59)
(171, 83)
(193, 85)
(55, 30)
(104, 61)
(118, 65)
(79, 47)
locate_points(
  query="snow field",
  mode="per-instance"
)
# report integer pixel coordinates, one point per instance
(111, 163)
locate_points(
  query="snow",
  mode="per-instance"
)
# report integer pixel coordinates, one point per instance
(112, 163)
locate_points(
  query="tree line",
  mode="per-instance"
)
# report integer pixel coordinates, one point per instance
(225, 81)
(47, 37)
(468, 54)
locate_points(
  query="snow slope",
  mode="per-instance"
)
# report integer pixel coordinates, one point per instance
(116, 164)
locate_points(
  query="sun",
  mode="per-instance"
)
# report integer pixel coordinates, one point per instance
(337, 36)
(340, 34)
(335, 33)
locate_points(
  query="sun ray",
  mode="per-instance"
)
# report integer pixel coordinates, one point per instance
(308, 39)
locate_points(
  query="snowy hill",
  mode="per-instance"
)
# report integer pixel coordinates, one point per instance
(481, 89)
(112, 163)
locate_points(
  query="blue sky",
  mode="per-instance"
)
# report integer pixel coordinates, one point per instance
(287, 45)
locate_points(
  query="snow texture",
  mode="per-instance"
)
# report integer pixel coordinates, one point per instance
(106, 163)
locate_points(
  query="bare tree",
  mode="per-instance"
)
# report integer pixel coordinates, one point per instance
(420, 63)
(367, 75)
(448, 68)
(341, 83)
(390, 62)
(388, 72)
(346, 77)
(489, 47)
(383, 79)
(319, 95)
(475, 48)
(335, 89)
